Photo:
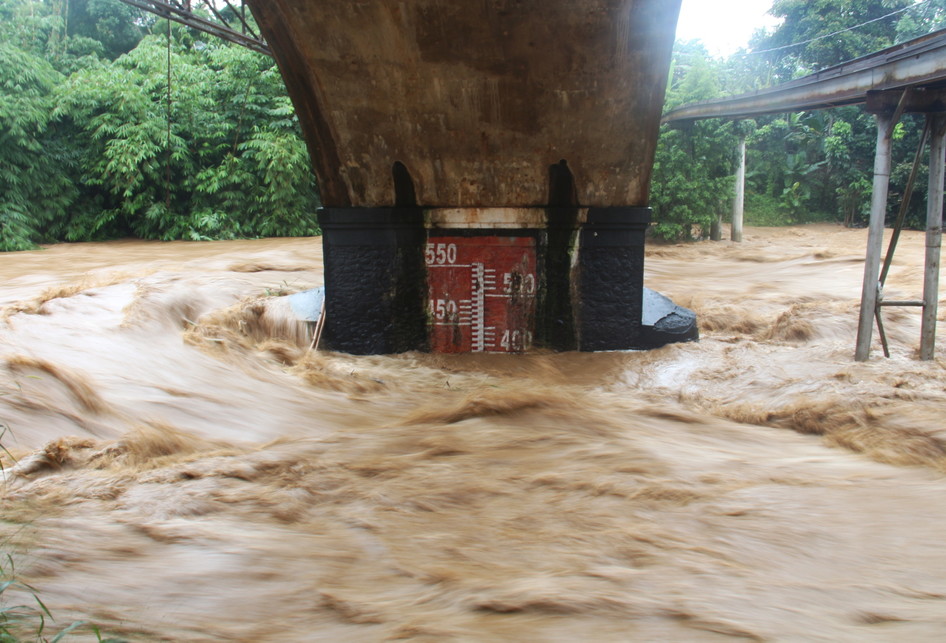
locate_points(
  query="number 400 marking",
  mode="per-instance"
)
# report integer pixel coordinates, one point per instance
(516, 341)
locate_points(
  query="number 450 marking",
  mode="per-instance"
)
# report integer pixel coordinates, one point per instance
(442, 309)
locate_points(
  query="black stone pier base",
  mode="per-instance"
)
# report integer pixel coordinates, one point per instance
(611, 278)
(375, 280)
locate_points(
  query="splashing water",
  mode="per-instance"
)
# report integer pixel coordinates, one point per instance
(187, 470)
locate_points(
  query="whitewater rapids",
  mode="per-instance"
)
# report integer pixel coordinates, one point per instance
(182, 469)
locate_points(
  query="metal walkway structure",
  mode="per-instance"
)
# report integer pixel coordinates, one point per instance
(906, 78)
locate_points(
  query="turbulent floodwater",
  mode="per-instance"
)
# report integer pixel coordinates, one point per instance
(185, 471)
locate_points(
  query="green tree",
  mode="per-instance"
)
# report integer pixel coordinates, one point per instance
(926, 17)
(850, 167)
(227, 161)
(89, 150)
(35, 188)
(789, 172)
(114, 24)
(695, 162)
(29, 26)
(815, 34)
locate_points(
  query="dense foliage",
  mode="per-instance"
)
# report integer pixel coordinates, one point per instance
(93, 144)
(801, 167)
(35, 189)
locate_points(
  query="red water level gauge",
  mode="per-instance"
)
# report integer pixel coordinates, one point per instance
(481, 295)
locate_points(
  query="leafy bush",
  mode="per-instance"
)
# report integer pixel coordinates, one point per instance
(763, 210)
(693, 178)
(102, 152)
(236, 165)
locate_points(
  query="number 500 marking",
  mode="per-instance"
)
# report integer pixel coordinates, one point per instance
(440, 254)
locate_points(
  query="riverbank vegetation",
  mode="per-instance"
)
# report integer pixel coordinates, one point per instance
(112, 124)
(96, 143)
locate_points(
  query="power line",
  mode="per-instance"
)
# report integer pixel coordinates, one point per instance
(835, 33)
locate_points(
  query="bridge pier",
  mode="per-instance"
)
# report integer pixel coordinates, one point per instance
(485, 167)
(739, 201)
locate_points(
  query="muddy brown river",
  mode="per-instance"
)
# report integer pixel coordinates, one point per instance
(185, 471)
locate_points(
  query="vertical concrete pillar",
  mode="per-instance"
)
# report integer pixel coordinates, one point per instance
(934, 235)
(875, 236)
(739, 203)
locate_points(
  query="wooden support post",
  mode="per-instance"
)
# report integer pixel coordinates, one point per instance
(934, 234)
(875, 236)
(738, 206)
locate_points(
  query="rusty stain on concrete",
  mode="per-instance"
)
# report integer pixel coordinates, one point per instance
(476, 99)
